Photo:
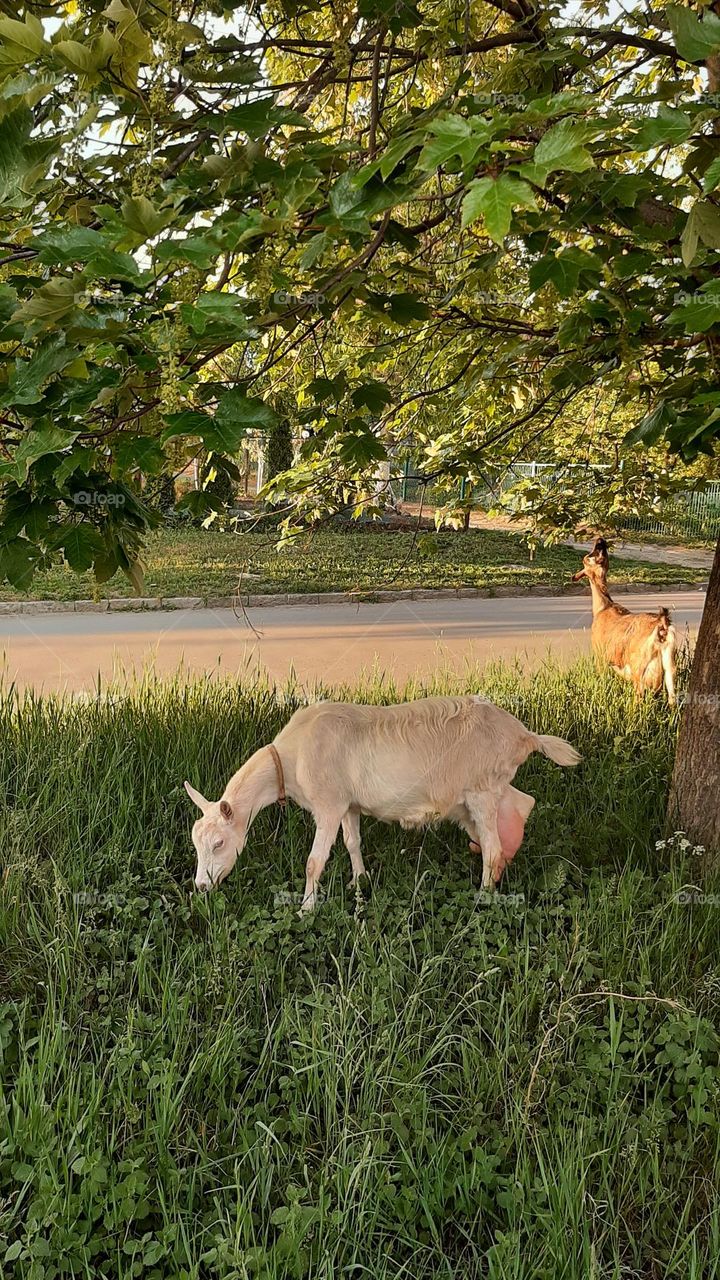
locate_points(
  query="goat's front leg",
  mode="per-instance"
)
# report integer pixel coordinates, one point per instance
(351, 836)
(482, 807)
(326, 829)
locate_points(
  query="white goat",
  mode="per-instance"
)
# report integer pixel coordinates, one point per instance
(413, 763)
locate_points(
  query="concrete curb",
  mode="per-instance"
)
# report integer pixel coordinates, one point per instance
(243, 601)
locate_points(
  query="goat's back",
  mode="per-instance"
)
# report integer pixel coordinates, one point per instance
(409, 761)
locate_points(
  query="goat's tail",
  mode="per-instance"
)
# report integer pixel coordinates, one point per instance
(663, 627)
(556, 749)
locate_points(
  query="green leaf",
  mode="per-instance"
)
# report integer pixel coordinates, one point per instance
(76, 56)
(35, 445)
(562, 148)
(144, 452)
(253, 414)
(711, 177)
(20, 155)
(141, 216)
(372, 396)
(18, 561)
(494, 199)
(257, 117)
(361, 448)
(570, 271)
(28, 377)
(403, 308)
(699, 311)
(201, 251)
(345, 195)
(199, 503)
(50, 304)
(218, 313)
(188, 423)
(574, 330)
(70, 245)
(669, 128)
(80, 458)
(455, 136)
(390, 158)
(327, 388)
(21, 41)
(695, 40)
(652, 427)
(314, 249)
(80, 544)
(703, 225)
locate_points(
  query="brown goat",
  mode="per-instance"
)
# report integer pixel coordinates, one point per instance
(641, 647)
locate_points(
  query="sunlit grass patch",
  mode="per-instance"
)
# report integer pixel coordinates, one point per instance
(195, 562)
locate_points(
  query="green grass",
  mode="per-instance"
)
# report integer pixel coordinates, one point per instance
(193, 562)
(419, 1084)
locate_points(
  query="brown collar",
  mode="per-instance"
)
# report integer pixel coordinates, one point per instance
(280, 775)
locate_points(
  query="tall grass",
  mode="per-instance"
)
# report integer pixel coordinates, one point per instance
(412, 1084)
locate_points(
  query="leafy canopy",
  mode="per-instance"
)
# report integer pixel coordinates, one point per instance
(440, 226)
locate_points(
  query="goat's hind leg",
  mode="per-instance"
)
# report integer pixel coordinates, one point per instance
(482, 807)
(351, 836)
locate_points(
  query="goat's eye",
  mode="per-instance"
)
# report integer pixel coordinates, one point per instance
(218, 845)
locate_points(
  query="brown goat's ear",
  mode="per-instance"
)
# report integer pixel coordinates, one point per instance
(226, 810)
(599, 554)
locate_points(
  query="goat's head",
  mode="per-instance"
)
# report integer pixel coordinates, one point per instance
(219, 836)
(595, 564)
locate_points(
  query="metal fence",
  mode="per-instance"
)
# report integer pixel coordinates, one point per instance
(695, 514)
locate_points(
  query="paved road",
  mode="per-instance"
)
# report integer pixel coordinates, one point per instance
(332, 644)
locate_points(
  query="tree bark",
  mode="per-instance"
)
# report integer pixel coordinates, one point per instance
(695, 790)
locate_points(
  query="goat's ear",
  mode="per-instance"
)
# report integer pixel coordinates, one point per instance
(226, 810)
(199, 800)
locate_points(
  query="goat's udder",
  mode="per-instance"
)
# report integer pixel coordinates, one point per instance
(511, 830)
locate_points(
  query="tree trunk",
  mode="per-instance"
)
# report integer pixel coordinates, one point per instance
(695, 791)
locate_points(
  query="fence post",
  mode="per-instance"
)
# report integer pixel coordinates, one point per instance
(406, 472)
